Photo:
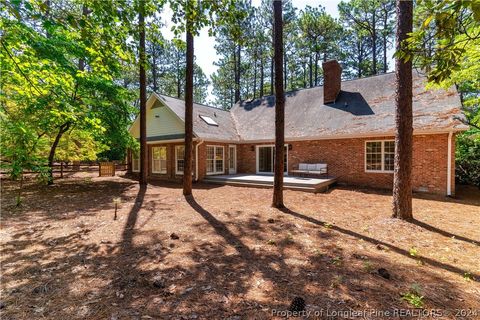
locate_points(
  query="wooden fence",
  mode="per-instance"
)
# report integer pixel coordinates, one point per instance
(63, 168)
(106, 169)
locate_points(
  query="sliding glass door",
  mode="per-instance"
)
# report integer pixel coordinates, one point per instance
(266, 159)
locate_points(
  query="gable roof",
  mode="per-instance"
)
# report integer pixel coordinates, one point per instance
(226, 129)
(364, 107)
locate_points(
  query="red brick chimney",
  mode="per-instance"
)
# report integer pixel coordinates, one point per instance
(332, 77)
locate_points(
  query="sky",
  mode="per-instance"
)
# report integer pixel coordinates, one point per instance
(204, 45)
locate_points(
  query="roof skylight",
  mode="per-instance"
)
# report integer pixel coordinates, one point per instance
(209, 120)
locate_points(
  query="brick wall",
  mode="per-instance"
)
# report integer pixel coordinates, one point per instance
(171, 174)
(346, 161)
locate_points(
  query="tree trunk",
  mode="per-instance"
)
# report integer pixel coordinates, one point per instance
(179, 77)
(385, 63)
(360, 58)
(237, 73)
(316, 69)
(51, 156)
(311, 70)
(272, 75)
(187, 171)
(279, 108)
(284, 71)
(81, 61)
(154, 68)
(374, 43)
(47, 16)
(143, 96)
(262, 75)
(385, 42)
(255, 78)
(305, 75)
(402, 177)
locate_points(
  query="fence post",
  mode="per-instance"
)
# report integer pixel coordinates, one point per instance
(61, 169)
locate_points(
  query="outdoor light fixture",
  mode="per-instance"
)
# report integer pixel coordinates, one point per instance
(290, 147)
(253, 148)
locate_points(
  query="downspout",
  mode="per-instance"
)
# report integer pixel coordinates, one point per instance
(449, 165)
(196, 159)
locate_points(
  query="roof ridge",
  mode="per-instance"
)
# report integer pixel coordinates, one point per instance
(200, 104)
(314, 87)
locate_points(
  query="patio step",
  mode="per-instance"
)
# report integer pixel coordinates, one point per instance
(321, 187)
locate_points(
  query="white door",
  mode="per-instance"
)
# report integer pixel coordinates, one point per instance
(232, 159)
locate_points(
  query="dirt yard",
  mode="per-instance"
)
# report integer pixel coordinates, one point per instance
(63, 256)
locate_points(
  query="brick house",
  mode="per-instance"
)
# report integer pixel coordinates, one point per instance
(349, 125)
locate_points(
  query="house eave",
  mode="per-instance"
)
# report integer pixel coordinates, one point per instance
(352, 136)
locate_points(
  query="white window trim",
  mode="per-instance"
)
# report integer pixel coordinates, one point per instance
(383, 157)
(176, 159)
(215, 147)
(257, 159)
(234, 159)
(133, 160)
(160, 171)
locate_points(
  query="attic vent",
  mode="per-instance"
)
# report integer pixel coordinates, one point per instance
(209, 121)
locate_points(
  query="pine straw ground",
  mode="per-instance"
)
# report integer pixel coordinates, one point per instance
(64, 257)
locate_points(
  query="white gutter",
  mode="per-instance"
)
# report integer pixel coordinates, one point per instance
(196, 159)
(449, 164)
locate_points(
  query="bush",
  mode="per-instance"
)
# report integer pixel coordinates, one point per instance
(467, 156)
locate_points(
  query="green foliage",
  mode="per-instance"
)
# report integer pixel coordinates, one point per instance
(413, 299)
(446, 43)
(62, 62)
(468, 276)
(454, 29)
(413, 251)
(467, 156)
(414, 296)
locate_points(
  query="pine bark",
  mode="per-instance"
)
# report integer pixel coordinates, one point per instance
(374, 43)
(143, 96)
(285, 71)
(237, 56)
(385, 41)
(262, 75)
(272, 74)
(310, 64)
(402, 178)
(187, 170)
(154, 68)
(279, 107)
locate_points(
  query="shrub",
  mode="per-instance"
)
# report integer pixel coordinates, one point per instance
(467, 156)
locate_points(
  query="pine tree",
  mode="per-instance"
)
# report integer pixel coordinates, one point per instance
(402, 177)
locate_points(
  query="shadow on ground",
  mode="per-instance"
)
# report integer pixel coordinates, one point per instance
(234, 271)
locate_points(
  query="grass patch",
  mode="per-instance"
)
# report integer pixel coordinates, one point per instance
(414, 296)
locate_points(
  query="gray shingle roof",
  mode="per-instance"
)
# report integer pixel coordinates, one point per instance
(364, 106)
(226, 129)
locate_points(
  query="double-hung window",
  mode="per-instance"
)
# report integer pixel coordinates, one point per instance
(179, 159)
(159, 160)
(135, 161)
(215, 159)
(379, 155)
